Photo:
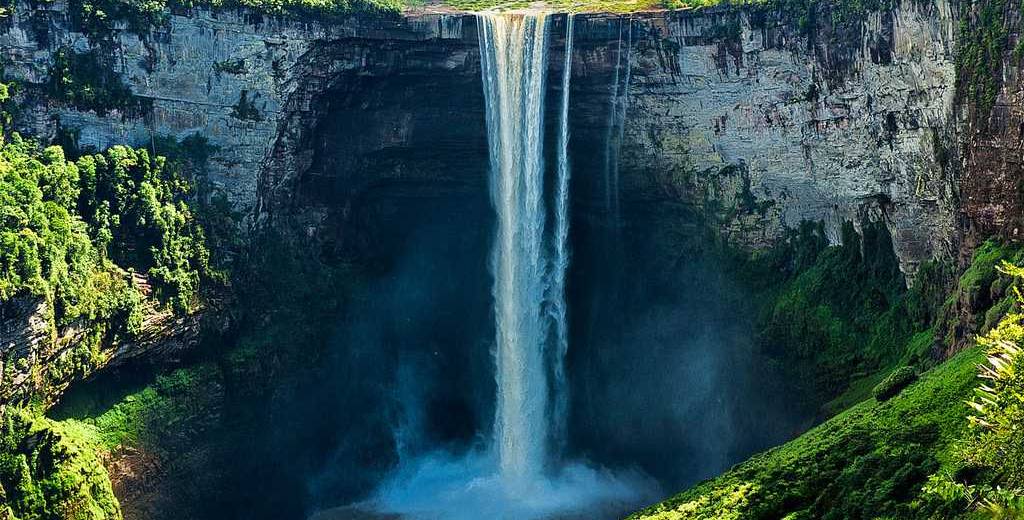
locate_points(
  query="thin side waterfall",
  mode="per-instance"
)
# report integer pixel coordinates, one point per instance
(613, 110)
(617, 124)
(561, 260)
(513, 52)
(621, 116)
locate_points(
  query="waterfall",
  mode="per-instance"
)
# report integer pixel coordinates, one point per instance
(513, 52)
(621, 115)
(561, 260)
(617, 124)
(517, 476)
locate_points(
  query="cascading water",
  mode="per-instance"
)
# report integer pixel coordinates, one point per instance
(621, 120)
(513, 53)
(618, 103)
(559, 311)
(519, 476)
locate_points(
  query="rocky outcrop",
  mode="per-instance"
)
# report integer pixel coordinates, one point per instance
(25, 332)
(39, 360)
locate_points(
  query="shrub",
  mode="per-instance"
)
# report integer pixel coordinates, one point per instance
(86, 81)
(894, 383)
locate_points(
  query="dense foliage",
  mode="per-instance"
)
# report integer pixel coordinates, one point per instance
(50, 470)
(840, 318)
(101, 241)
(98, 16)
(71, 229)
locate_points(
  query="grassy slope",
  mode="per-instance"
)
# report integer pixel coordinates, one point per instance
(872, 460)
(868, 462)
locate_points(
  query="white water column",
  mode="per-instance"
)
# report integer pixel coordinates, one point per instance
(560, 265)
(513, 50)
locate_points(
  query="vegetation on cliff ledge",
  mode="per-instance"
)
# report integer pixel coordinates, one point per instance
(100, 241)
(839, 318)
(98, 17)
(72, 228)
(97, 240)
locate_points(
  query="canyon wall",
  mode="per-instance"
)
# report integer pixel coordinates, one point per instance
(776, 128)
(743, 115)
(740, 113)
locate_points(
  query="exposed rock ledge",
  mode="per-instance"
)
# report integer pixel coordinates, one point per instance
(39, 361)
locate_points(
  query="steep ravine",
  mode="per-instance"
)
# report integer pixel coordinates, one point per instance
(359, 148)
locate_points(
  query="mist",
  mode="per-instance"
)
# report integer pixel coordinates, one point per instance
(447, 354)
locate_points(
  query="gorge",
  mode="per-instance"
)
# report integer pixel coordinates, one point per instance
(547, 261)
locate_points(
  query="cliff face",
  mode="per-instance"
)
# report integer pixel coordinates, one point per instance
(776, 127)
(735, 112)
(738, 114)
(991, 190)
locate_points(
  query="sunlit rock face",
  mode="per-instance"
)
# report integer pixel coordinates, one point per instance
(197, 71)
(736, 112)
(765, 127)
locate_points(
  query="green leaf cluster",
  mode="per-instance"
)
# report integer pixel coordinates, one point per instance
(98, 240)
(50, 470)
